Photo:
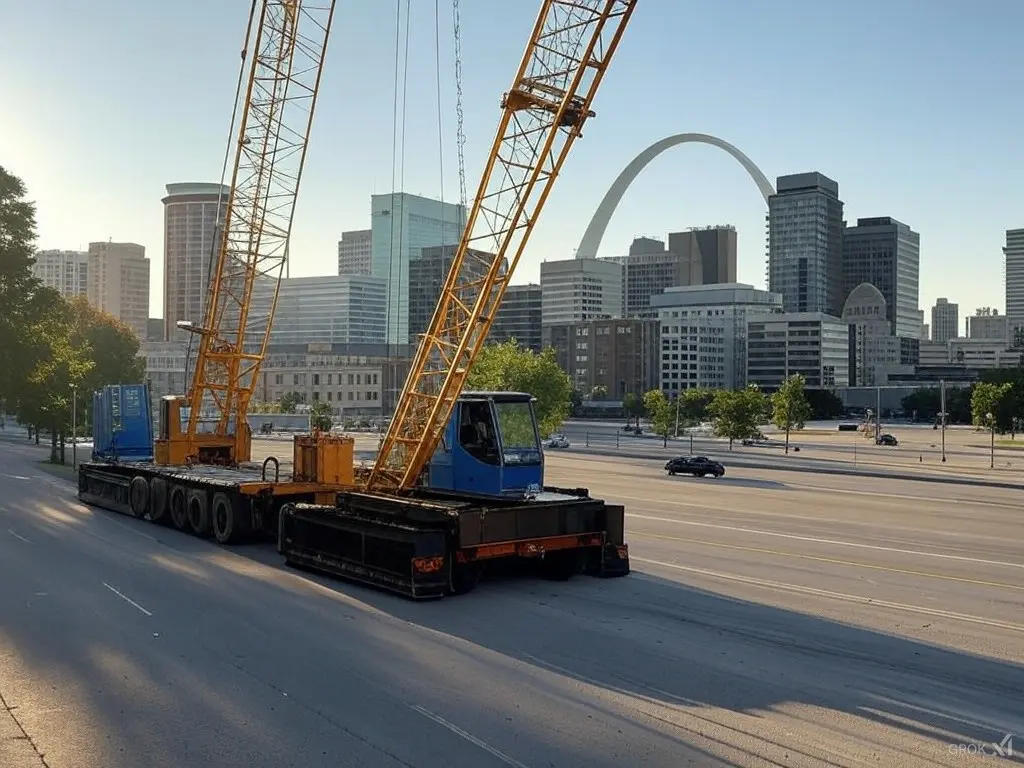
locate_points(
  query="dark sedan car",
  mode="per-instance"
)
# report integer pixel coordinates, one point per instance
(698, 466)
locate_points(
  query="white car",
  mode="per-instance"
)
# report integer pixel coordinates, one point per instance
(556, 441)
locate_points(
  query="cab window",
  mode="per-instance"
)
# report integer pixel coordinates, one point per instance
(477, 434)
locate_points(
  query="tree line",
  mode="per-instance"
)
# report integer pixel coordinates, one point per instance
(52, 350)
(734, 414)
(996, 401)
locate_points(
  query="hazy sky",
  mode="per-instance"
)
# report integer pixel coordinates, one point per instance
(913, 106)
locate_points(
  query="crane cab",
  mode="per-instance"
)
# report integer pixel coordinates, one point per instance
(174, 445)
(491, 447)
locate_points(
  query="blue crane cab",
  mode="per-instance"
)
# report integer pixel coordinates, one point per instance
(491, 447)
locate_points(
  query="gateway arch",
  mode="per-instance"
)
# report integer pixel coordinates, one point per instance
(599, 223)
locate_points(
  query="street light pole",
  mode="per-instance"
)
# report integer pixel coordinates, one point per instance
(942, 415)
(992, 440)
(74, 426)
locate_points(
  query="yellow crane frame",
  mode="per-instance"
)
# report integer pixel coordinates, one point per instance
(543, 114)
(287, 42)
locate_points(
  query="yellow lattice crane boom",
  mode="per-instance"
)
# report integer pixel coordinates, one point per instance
(285, 46)
(543, 113)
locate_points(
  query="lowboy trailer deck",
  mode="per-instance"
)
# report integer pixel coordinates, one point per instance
(482, 500)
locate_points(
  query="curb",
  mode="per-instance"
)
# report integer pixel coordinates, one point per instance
(832, 470)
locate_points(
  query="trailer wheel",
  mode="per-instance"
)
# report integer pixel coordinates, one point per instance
(562, 566)
(224, 519)
(179, 511)
(199, 512)
(138, 497)
(157, 499)
(463, 577)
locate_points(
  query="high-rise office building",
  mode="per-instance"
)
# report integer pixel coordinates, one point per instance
(519, 317)
(1014, 279)
(354, 252)
(578, 290)
(119, 283)
(887, 254)
(987, 323)
(714, 248)
(67, 272)
(805, 243)
(328, 309)
(427, 275)
(191, 227)
(402, 226)
(945, 321)
(698, 256)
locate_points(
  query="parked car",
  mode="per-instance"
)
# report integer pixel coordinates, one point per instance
(556, 441)
(698, 466)
(887, 440)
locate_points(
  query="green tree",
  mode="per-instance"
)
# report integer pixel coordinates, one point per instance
(111, 345)
(575, 402)
(508, 367)
(661, 412)
(633, 405)
(987, 398)
(599, 393)
(737, 414)
(824, 403)
(289, 400)
(320, 416)
(17, 287)
(694, 405)
(55, 361)
(790, 408)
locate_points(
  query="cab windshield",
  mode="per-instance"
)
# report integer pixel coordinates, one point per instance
(518, 433)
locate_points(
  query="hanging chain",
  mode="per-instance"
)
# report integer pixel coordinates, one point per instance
(460, 136)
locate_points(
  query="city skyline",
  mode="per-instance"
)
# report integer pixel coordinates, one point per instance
(97, 184)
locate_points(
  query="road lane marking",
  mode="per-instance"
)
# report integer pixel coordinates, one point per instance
(17, 535)
(833, 542)
(467, 736)
(127, 599)
(17, 477)
(831, 560)
(870, 601)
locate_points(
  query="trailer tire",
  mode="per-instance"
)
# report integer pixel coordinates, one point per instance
(199, 512)
(562, 566)
(138, 497)
(179, 508)
(463, 577)
(157, 499)
(224, 519)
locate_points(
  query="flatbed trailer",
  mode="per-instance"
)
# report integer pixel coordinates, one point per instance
(427, 542)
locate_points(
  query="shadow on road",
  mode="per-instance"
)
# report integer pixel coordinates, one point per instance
(649, 646)
(735, 482)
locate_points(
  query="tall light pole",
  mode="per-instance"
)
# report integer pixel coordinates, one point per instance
(74, 426)
(942, 415)
(992, 440)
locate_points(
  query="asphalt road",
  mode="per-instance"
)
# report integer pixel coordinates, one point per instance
(772, 620)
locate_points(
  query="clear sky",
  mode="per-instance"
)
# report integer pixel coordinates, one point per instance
(913, 106)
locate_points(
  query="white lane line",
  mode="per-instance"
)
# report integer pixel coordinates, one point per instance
(127, 599)
(833, 542)
(783, 586)
(17, 535)
(17, 477)
(468, 736)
